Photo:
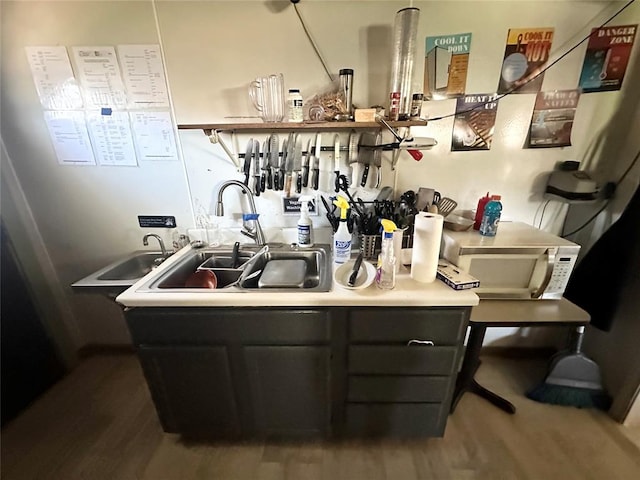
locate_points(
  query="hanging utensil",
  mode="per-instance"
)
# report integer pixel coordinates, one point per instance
(256, 168)
(297, 163)
(315, 160)
(291, 146)
(274, 153)
(365, 155)
(354, 138)
(279, 179)
(336, 159)
(247, 161)
(377, 160)
(305, 165)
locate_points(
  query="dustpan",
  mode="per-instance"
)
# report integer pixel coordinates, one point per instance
(573, 379)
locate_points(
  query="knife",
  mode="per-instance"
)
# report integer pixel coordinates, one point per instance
(264, 165)
(365, 157)
(356, 269)
(247, 161)
(256, 168)
(377, 160)
(291, 146)
(315, 163)
(336, 160)
(279, 180)
(297, 163)
(274, 153)
(305, 166)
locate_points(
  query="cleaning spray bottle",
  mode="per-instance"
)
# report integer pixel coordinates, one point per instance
(386, 271)
(305, 226)
(342, 237)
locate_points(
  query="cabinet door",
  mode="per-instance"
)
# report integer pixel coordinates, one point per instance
(192, 389)
(289, 389)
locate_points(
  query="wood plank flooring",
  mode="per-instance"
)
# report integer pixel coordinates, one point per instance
(99, 423)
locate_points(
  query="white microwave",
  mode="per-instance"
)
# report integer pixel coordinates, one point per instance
(519, 262)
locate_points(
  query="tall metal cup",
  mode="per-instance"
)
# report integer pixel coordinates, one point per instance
(267, 95)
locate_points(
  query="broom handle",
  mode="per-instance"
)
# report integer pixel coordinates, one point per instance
(580, 335)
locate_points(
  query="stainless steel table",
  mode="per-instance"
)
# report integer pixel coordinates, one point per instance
(508, 313)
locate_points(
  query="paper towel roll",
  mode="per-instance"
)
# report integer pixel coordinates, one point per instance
(427, 234)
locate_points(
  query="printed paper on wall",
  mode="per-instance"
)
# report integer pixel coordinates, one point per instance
(606, 58)
(445, 66)
(525, 55)
(552, 118)
(474, 122)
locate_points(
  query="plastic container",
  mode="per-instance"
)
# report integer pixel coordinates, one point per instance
(342, 237)
(346, 90)
(295, 105)
(305, 226)
(480, 210)
(386, 272)
(491, 217)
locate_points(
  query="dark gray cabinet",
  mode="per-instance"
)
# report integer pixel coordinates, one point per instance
(291, 372)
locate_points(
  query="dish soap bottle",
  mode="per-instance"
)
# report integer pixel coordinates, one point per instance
(386, 271)
(491, 217)
(342, 237)
(305, 226)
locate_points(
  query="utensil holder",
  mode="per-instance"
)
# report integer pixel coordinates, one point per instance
(370, 246)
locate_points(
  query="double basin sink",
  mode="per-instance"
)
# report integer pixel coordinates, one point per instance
(250, 268)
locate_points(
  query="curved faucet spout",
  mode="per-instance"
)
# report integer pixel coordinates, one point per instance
(145, 242)
(254, 232)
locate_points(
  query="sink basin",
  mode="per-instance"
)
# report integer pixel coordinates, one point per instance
(313, 269)
(116, 277)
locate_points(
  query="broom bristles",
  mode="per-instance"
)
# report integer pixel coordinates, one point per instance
(570, 396)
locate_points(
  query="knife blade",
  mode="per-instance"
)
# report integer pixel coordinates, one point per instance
(305, 165)
(247, 161)
(336, 160)
(315, 166)
(256, 168)
(354, 272)
(377, 160)
(264, 165)
(274, 153)
(354, 138)
(365, 155)
(291, 146)
(297, 163)
(281, 165)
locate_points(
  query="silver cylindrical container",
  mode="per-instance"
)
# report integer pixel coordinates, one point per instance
(346, 90)
(405, 31)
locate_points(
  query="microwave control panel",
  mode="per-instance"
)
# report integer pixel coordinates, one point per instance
(562, 269)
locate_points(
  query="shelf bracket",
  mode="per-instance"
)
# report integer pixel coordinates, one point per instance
(214, 138)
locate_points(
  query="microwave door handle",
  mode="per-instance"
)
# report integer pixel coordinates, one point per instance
(551, 260)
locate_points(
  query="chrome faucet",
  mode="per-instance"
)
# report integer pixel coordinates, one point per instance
(145, 242)
(254, 232)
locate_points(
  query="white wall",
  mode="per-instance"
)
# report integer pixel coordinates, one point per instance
(213, 49)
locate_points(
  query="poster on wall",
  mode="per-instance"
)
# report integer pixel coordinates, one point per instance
(552, 118)
(445, 65)
(474, 122)
(525, 54)
(99, 76)
(53, 77)
(606, 58)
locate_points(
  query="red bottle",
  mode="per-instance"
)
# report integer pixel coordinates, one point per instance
(480, 211)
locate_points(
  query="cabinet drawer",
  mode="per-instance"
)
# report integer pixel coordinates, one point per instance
(443, 326)
(401, 360)
(387, 388)
(395, 419)
(224, 325)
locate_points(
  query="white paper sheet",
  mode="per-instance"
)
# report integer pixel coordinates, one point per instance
(154, 135)
(53, 78)
(99, 75)
(143, 74)
(70, 138)
(111, 138)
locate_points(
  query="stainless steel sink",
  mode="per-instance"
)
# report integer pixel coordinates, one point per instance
(245, 275)
(116, 277)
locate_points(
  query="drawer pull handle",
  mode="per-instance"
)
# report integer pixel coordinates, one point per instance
(420, 342)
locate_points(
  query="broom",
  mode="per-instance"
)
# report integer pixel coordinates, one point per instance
(573, 380)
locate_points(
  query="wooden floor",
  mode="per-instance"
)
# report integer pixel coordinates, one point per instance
(99, 423)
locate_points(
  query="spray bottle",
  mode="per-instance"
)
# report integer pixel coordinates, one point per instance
(342, 237)
(305, 226)
(386, 271)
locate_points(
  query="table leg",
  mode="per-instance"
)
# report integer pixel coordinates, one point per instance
(466, 381)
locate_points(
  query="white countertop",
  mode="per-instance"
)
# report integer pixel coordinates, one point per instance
(407, 293)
